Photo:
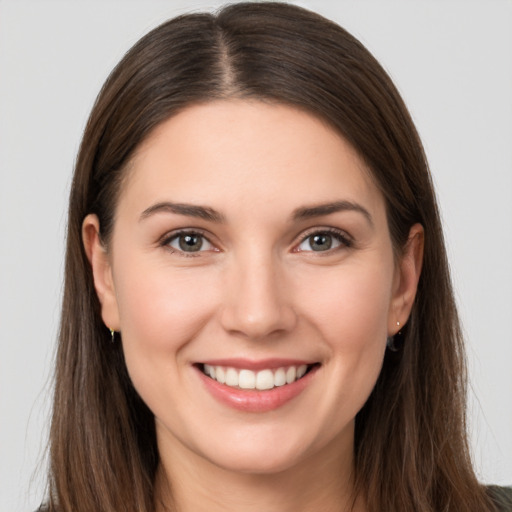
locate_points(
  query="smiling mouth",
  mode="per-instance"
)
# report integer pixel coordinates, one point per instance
(261, 380)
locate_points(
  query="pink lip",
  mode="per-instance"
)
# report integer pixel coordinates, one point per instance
(262, 364)
(255, 400)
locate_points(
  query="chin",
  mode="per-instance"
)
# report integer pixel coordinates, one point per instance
(255, 462)
(261, 450)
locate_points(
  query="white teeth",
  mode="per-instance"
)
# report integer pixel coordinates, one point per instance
(209, 370)
(280, 377)
(261, 380)
(247, 379)
(231, 377)
(264, 379)
(220, 374)
(291, 374)
(301, 370)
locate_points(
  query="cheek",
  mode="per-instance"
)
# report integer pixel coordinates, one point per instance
(163, 305)
(349, 311)
(350, 306)
(160, 311)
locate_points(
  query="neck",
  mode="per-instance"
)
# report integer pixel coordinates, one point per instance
(323, 481)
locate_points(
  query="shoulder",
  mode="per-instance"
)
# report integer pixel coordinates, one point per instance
(501, 497)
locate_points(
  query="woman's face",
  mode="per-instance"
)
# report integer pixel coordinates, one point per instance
(250, 242)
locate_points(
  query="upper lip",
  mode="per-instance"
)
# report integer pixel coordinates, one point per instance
(261, 364)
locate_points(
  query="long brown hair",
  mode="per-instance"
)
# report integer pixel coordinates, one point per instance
(411, 451)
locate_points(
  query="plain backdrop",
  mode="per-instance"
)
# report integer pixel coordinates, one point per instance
(452, 61)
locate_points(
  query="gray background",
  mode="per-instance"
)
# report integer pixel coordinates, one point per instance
(452, 60)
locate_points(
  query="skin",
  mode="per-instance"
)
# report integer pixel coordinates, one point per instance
(255, 290)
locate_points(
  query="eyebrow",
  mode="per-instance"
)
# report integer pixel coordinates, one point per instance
(319, 210)
(209, 214)
(190, 210)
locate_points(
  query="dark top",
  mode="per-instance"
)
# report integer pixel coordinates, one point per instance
(501, 497)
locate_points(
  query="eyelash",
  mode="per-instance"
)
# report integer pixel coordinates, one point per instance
(340, 236)
(167, 239)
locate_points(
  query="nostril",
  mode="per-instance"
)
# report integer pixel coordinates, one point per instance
(257, 325)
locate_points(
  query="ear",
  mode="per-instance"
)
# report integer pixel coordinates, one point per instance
(102, 271)
(407, 275)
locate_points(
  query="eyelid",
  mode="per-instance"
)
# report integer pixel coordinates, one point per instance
(166, 239)
(342, 236)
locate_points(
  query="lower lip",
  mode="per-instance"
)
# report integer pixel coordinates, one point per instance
(253, 400)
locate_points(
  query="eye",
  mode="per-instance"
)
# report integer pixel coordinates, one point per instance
(188, 242)
(322, 241)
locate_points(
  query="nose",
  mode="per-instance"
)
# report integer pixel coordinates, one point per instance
(256, 304)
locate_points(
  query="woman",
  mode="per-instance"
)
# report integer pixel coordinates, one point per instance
(257, 311)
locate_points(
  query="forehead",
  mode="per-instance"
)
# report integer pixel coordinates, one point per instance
(266, 154)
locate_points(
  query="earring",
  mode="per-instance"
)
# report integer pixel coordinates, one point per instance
(113, 335)
(391, 341)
